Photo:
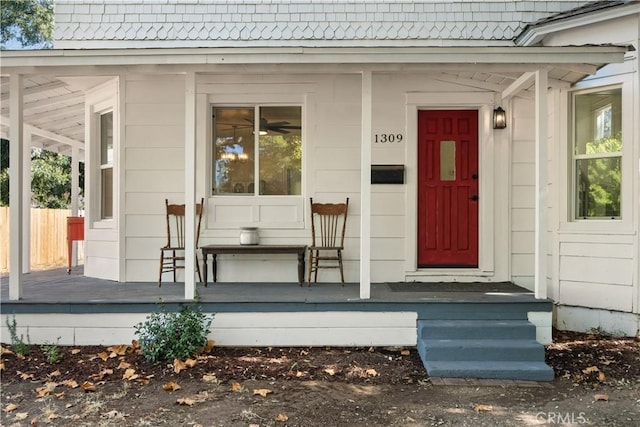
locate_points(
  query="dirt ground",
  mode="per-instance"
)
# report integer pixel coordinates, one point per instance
(597, 383)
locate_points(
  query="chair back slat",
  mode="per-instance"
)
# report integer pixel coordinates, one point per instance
(175, 219)
(328, 223)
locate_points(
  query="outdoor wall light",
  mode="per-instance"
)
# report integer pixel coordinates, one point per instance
(499, 118)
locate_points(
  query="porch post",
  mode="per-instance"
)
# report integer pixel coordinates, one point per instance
(16, 207)
(190, 185)
(365, 187)
(540, 269)
(75, 182)
(26, 202)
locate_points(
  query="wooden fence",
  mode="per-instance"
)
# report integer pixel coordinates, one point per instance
(48, 239)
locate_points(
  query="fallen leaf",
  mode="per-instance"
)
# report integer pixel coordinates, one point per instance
(301, 374)
(26, 376)
(88, 386)
(209, 378)
(100, 375)
(71, 383)
(262, 391)
(281, 418)
(60, 395)
(236, 386)
(5, 351)
(405, 352)
(190, 363)
(171, 386)
(55, 373)
(1, 365)
(130, 374)
(591, 369)
(46, 389)
(103, 355)
(143, 380)
(603, 397)
(208, 346)
(34, 421)
(178, 365)
(186, 401)
(483, 408)
(10, 408)
(372, 372)
(124, 365)
(53, 416)
(119, 350)
(330, 371)
(601, 376)
(22, 416)
(75, 351)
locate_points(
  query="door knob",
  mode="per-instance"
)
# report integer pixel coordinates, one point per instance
(474, 198)
(474, 176)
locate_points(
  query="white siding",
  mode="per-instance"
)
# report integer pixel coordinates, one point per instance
(231, 329)
(154, 167)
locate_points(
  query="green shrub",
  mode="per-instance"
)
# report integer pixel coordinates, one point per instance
(166, 336)
(52, 352)
(17, 342)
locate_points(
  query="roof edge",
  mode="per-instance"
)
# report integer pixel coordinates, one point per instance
(320, 55)
(534, 33)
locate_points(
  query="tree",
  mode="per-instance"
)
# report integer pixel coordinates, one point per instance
(29, 22)
(50, 178)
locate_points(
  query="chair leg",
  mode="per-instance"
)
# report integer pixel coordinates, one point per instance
(316, 267)
(310, 266)
(161, 265)
(198, 269)
(340, 262)
(174, 266)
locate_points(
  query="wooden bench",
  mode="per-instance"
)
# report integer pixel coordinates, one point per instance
(215, 250)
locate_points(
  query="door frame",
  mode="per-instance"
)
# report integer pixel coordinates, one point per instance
(494, 188)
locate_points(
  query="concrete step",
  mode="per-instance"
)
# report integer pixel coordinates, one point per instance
(471, 329)
(481, 349)
(531, 371)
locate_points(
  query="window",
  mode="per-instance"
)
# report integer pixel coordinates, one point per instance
(597, 153)
(257, 150)
(106, 165)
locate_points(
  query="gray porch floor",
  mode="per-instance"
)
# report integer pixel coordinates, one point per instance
(57, 287)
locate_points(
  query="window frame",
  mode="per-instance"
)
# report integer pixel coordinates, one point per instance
(567, 191)
(105, 166)
(103, 100)
(256, 107)
(285, 212)
(575, 158)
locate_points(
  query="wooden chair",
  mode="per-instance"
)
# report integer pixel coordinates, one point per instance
(172, 254)
(328, 224)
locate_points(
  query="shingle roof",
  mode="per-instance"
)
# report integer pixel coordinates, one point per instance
(214, 23)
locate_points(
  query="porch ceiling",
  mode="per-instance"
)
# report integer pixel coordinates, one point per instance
(54, 81)
(53, 113)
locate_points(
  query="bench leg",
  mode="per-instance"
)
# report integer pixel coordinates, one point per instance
(300, 268)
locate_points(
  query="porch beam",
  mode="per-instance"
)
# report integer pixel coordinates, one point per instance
(16, 207)
(541, 193)
(190, 186)
(365, 185)
(518, 86)
(38, 89)
(477, 84)
(45, 133)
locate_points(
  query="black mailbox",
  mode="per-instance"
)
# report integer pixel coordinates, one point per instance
(387, 174)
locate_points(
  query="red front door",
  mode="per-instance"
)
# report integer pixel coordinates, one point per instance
(448, 188)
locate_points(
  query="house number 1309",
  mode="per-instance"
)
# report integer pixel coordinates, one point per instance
(384, 138)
